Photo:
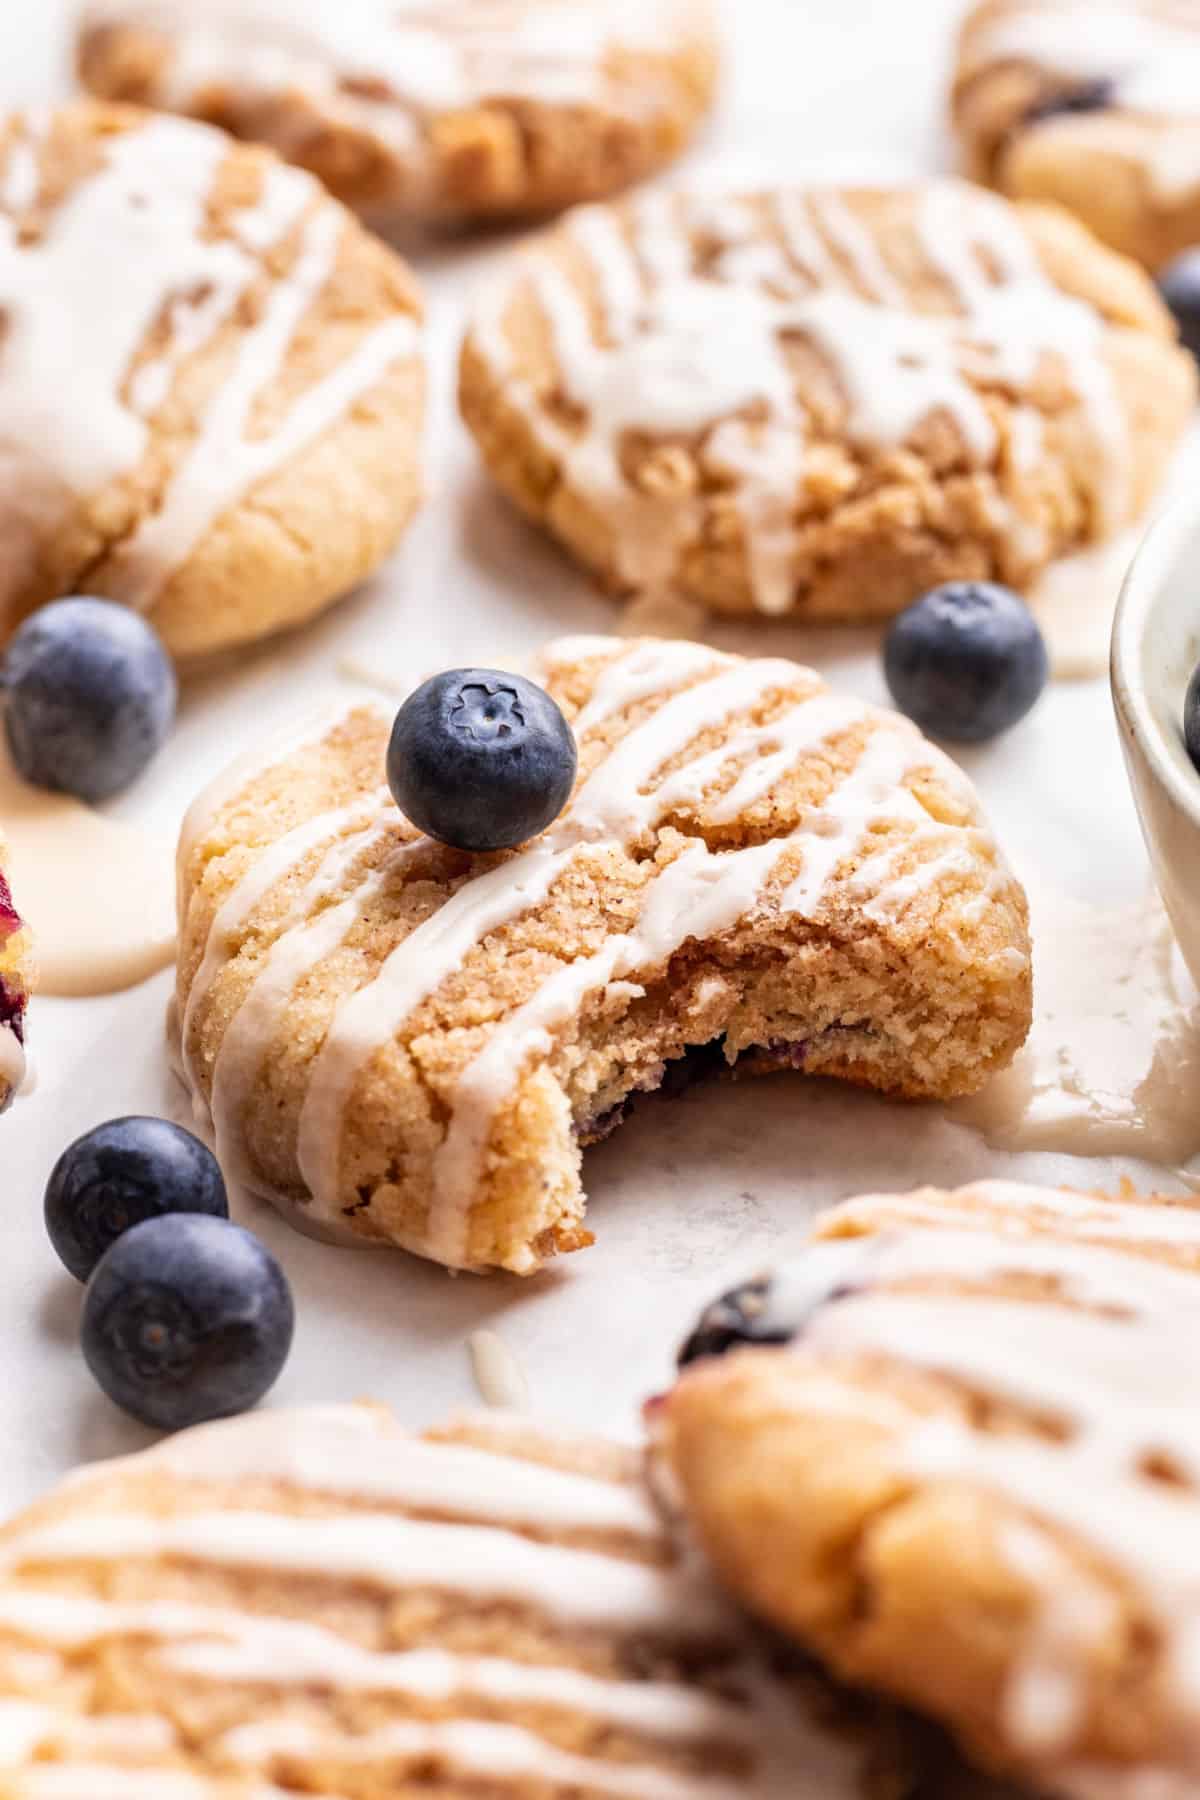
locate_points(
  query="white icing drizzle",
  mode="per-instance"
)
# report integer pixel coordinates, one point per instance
(356, 1452)
(387, 66)
(699, 350)
(1153, 63)
(129, 247)
(1112, 1358)
(701, 893)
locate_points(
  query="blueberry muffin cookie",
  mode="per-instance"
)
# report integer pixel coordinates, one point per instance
(212, 382)
(16, 979)
(1094, 104)
(315, 1602)
(405, 1043)
(442, 109)
(823, 403)
(952, 1447)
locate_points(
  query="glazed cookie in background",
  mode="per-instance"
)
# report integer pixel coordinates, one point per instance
(16, 979)
(401, 1042)
(1091, 103)
(211, 391)
(441, 109)
(318, 1600)
(824, 403)
(952, 1448)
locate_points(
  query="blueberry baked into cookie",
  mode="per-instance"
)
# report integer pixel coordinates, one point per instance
(441, 109)
(316, 1602)
(16, 977)
(824, 403)
(399, 1041)
(1091, 103)
(212, 383)
(952, 1448)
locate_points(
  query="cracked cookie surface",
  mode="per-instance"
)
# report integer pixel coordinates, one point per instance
(952, 1448)
(1094, 104)
(212, 382)
(406, 1043)
(822, 403)
(443, 109)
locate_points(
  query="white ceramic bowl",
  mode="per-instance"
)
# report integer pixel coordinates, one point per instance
(1156, 645)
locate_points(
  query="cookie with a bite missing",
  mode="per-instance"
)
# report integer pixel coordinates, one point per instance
(447, 110)
(318, 1602)
(1094, 106)
(16, 982)
(822, 403)
(400, 1042)
(951, 1447)
(212, 384)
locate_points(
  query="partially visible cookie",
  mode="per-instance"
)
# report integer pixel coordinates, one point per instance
(16, 980)
(1091, 103)
(953, 1448)
(211, 390)
(316, 1602)
(401, 1042)
(824, 403)
(446, 109)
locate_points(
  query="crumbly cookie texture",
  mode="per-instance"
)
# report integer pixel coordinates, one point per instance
(212, 383)
(317, 1602)
(1093, 104)
(823, 403)
(403, 1042)
(16, 983)
(471, 109)
(965, 1471)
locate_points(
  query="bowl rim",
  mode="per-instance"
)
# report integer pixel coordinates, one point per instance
(1152, 563)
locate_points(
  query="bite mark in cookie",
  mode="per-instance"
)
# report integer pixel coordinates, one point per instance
(406, 1043)
(965, 1421)
(824, 403)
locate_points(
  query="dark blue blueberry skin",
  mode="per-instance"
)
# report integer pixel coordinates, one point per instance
(966, 661)
(121, 1173)
(1087, 97)
(91, 697)
(187, 1318)
(1179, 285)
(481, 760)
(1191, 718)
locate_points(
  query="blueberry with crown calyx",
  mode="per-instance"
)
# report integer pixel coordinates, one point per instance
(186, 1319)
(119, 1174)
(966, 661)
(90, 698)
(481, 760)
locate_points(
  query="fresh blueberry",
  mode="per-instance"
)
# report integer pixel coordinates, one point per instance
(1179, 285)
(966, 661)
(481, 760)
(186, 1318)
(1086, 97)
(121, 1173)
(90, 698)
(1191, 718)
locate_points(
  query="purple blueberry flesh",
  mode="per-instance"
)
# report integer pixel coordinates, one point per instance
(90, 698)
(481, 760)
(1179, 285)
(120, 1174)
(187, 1318)
(966, 661)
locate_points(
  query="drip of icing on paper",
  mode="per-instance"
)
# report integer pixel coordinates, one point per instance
(1112, 1064)
(99, 894)
(501, 1380)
